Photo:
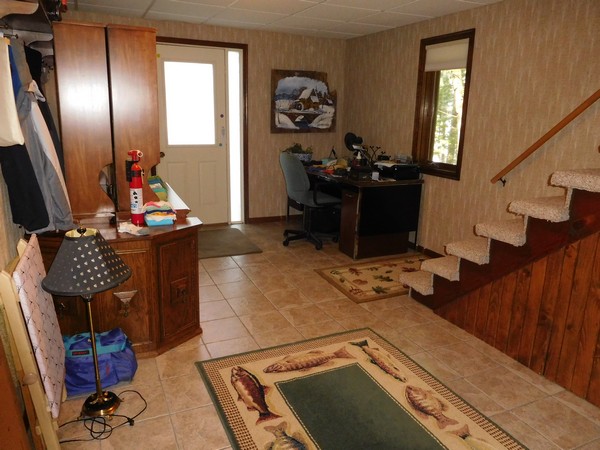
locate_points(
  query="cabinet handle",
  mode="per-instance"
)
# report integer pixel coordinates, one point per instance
(125, 297)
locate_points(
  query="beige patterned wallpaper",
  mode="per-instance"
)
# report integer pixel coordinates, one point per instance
(534, 62)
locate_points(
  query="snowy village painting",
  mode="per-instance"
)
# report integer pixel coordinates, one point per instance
(302, 102)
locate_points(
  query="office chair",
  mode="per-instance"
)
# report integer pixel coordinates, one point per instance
(317, 206)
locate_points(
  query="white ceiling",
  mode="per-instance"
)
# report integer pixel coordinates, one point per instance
(343, 19)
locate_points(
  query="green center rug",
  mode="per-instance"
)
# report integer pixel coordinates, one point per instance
(352, 390)
(375, 280)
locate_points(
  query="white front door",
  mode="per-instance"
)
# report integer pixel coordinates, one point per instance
(193, 117)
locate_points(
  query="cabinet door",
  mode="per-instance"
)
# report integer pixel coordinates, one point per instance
(82, 82)
(179, 302)
(134, 101)
(130, 305)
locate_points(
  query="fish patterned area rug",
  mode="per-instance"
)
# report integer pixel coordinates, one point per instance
(351, 390)
(375, 280)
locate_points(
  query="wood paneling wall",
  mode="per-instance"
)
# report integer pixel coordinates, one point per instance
(545, 315)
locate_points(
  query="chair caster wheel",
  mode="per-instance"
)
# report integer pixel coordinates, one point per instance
(286, 243)
(319, 246)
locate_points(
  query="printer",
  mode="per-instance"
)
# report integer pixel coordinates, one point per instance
(398, 171)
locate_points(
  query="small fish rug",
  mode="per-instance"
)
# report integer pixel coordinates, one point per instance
(365, 282)
(351, 390)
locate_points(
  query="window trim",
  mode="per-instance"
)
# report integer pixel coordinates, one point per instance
(427, 88)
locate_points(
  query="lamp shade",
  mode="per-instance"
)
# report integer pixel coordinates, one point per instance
(85, 264)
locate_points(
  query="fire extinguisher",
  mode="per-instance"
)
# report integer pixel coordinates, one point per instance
(134, 176)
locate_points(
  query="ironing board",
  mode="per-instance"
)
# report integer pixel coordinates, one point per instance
(35, 340)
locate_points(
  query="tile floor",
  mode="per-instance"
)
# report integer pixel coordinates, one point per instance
(255, 301)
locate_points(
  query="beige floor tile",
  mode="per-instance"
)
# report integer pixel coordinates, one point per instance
(238, 289)
(523, 432)
(250, 259)
(204, 279)
(274, 283)
(187, 392)
(232, 346)
(180, 361)
(228, 275)
(155, 434)
(435, 367)
(209, 294)
(266, 322)
(578, 404)
(135, 398)
(544, 415)
(215, 310)
(464, 359)
(506, 388)
(429, 336)
(283, 336)
(305, 315)
(537, 380)
(146, 373)
(223, 329)
(342, 307)
(249, 304)
(199, 429)
(320, 329)
(402, 317)
(475, 396)
(398, 340)
(286, 298)
(211, 264)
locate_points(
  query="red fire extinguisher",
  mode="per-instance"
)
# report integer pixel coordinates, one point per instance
(134, 176)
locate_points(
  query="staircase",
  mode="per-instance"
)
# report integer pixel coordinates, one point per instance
(530, 286)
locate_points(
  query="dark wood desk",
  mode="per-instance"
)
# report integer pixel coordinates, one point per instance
(377, 216)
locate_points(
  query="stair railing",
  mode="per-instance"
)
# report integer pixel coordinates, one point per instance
(546, 137)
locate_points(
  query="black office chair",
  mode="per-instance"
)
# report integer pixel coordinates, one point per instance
(321, 211)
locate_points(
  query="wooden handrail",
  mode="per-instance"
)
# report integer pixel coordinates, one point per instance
(546, 137)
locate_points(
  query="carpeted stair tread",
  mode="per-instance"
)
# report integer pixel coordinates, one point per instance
(420, 281)
(446, 267)
(582, 179)
(476, 250)
(511, 231)
(552, 209)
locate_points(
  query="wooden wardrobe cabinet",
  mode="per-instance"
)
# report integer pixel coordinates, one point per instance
(108, 105)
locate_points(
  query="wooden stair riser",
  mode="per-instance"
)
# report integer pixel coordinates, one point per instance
(545, 315)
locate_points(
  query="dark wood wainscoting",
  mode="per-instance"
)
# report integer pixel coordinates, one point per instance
(545, 315)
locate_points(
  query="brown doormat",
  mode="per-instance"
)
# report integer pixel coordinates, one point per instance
(368, 281)
(352, 390)
(224, 242)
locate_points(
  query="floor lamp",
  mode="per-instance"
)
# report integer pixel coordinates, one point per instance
(86, 264)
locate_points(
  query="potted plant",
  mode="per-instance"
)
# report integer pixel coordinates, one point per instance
(303, 154)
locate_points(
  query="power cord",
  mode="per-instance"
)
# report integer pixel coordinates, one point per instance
(99, 427)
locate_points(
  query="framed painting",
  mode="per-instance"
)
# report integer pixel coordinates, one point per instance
(302, 102)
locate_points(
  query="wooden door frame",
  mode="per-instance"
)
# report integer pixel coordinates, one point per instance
(244, 48)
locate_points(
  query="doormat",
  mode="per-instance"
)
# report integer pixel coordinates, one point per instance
(352, 390)
(375, 280)
(224, 242)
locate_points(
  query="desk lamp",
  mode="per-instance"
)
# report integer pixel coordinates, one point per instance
(86, 264)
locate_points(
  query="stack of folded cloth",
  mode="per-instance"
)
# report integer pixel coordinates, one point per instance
(159, 213)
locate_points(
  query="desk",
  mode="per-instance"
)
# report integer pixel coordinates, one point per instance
(377, 216)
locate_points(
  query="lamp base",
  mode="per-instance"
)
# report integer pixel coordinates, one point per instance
(104, 405)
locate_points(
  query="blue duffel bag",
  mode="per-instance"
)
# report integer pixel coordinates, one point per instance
(116, 361)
